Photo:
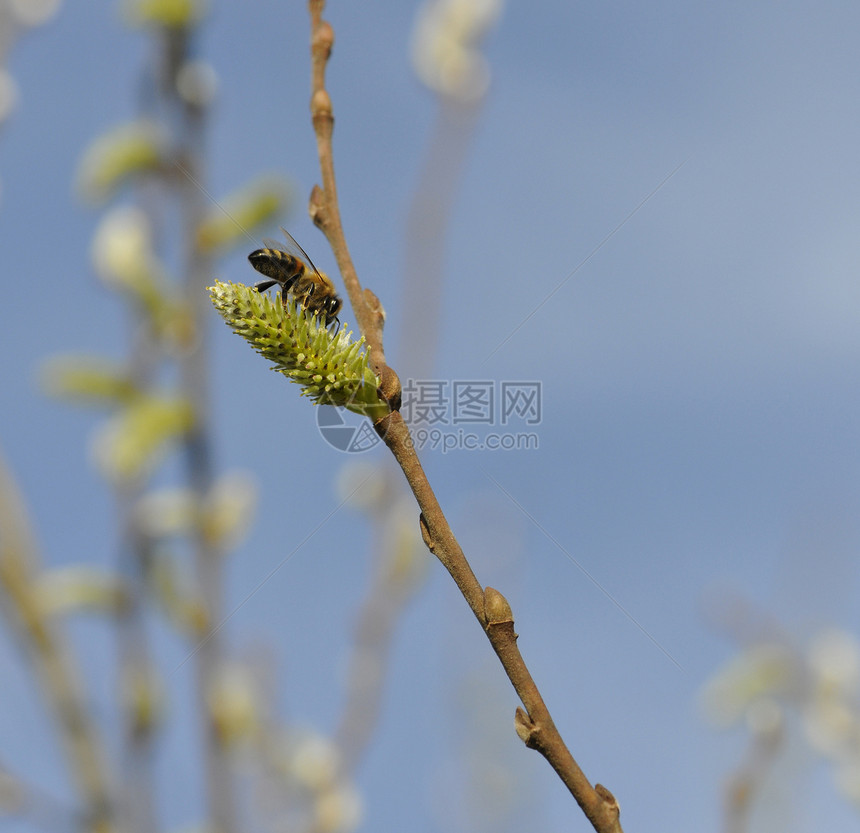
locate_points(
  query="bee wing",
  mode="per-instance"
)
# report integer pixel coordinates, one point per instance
(291, 247)
(294, 248)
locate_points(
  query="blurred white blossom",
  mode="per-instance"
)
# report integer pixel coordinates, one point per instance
(338, 810)
(764, 670)
(315, 761)
(32, 12)
(234, 703)
(834, 659)
(197, 83)
(445, 43)
(820, 684)
(122, 247)
(16, 16)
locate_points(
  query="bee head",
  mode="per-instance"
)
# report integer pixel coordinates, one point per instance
(333, 305)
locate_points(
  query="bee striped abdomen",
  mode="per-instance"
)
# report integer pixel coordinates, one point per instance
(279, 266)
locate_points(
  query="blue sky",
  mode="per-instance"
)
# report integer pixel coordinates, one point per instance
(699, 370)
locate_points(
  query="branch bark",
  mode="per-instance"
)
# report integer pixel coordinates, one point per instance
(534, 724)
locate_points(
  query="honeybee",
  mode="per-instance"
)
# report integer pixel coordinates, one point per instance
(288, 265)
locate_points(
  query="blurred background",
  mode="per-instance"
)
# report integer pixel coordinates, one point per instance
(650, 210)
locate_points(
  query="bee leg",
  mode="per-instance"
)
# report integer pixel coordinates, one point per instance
(262, 286)
(306, 299)
(286, 286)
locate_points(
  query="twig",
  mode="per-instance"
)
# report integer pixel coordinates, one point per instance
(194, 372)
(534, 725)
(191, 110)
(35, 806)
(325, 209)
(137, 802)
(427, 220)
(135, 666)
(396, 579)
(394, 583)
(51, 658)
(744, 785)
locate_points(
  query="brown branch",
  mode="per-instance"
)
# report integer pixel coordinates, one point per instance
(207, 554)
(324, 207)
(534, 725)
(745, 785)
(52, 659)
(194, 375)
(428, 218)
(397, 577)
